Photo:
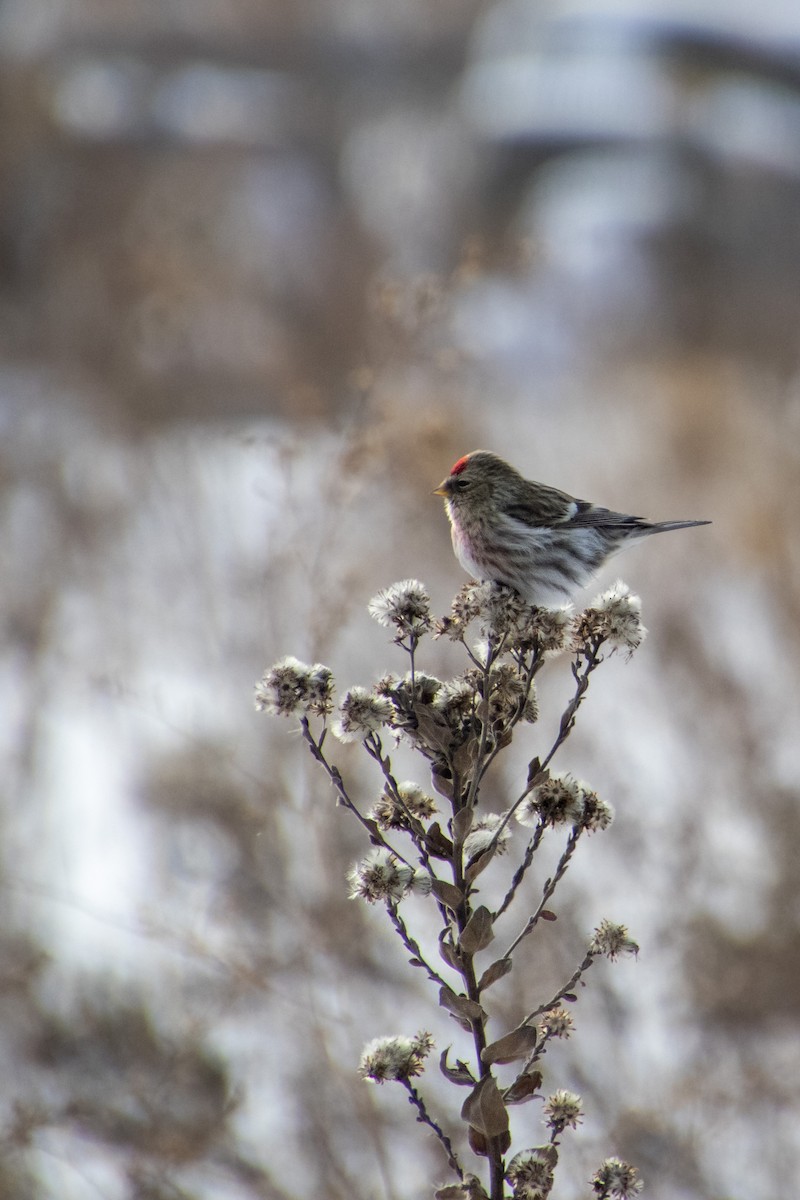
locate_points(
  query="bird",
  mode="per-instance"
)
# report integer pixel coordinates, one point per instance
(542, 542)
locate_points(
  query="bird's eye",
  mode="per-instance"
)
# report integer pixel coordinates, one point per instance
(460, 484)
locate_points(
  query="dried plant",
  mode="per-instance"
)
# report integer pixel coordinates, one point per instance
(460, 726)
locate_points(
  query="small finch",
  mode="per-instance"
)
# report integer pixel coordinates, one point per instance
(542, 542)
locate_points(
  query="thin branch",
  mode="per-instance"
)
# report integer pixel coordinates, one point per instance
(335, 776)
(412, 945)
(516, 716)
(592, 660)
(562, 992)
(566, 724)
(477, 773)
(374, 748)
(530, 850)
(424, 1118)
(416, 831)
(549, 888)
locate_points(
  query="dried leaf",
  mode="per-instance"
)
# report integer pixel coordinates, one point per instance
(479, 863)
(375, 835)
(463, 760)
(448, 952)
(478, 932)
(442, 780)
(514, 1045)
(437, 844)
(431, 728)
(495, 971)
(535, 771)
(448, 893)
(478, 1142)
(484, 1109)
(459, 1074)
(461, 1007)
(462, 823)
(525, 1086)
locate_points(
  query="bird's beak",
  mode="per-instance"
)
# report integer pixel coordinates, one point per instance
(442, 489)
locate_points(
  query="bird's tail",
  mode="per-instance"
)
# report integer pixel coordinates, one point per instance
(665, 526)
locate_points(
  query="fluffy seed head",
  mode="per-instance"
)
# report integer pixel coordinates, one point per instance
(483, 833)
(618, 1179)
(395, 1058)
(530, 1173)
(562, 1109)
(395, 812)
(556, 1023)
(612, 940)
(360, 714)
(557, 800)
(381, 876)
(291, 686)
(406, 605)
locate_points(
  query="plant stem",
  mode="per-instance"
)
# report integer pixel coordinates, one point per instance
(549, 888)
(424, 1117)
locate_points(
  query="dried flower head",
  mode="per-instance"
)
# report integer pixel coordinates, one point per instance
(383, 876)
(392, 812)
(562, 1109)
(406, 605)
(482, 834)
(361, 712)
(530, 1173)
(557, 1023)
(408, 694)
(386, 686)
(468, 604)
(557, 800)
(420, 687)
(615, 616)
(291, 686)
(456, 701)
(509, 693)
(612, 940)
(551, 628)
(505, 615)
(618, 1179)
(390, 1058)
(597, 813)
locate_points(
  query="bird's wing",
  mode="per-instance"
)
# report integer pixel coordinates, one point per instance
(546, 506)
(593, 515)
(549, 506)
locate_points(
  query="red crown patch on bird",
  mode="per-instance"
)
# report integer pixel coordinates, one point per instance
(458, 467)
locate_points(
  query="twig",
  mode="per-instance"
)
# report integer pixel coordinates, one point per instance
(411, 945)
(530, 850)
(592, 660)
(424, 1117)
(565, 727)
(334, 774)
(559, 996)
(549, 888)
(477, 774)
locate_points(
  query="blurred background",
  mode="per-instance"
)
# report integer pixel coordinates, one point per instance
(266, 269)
